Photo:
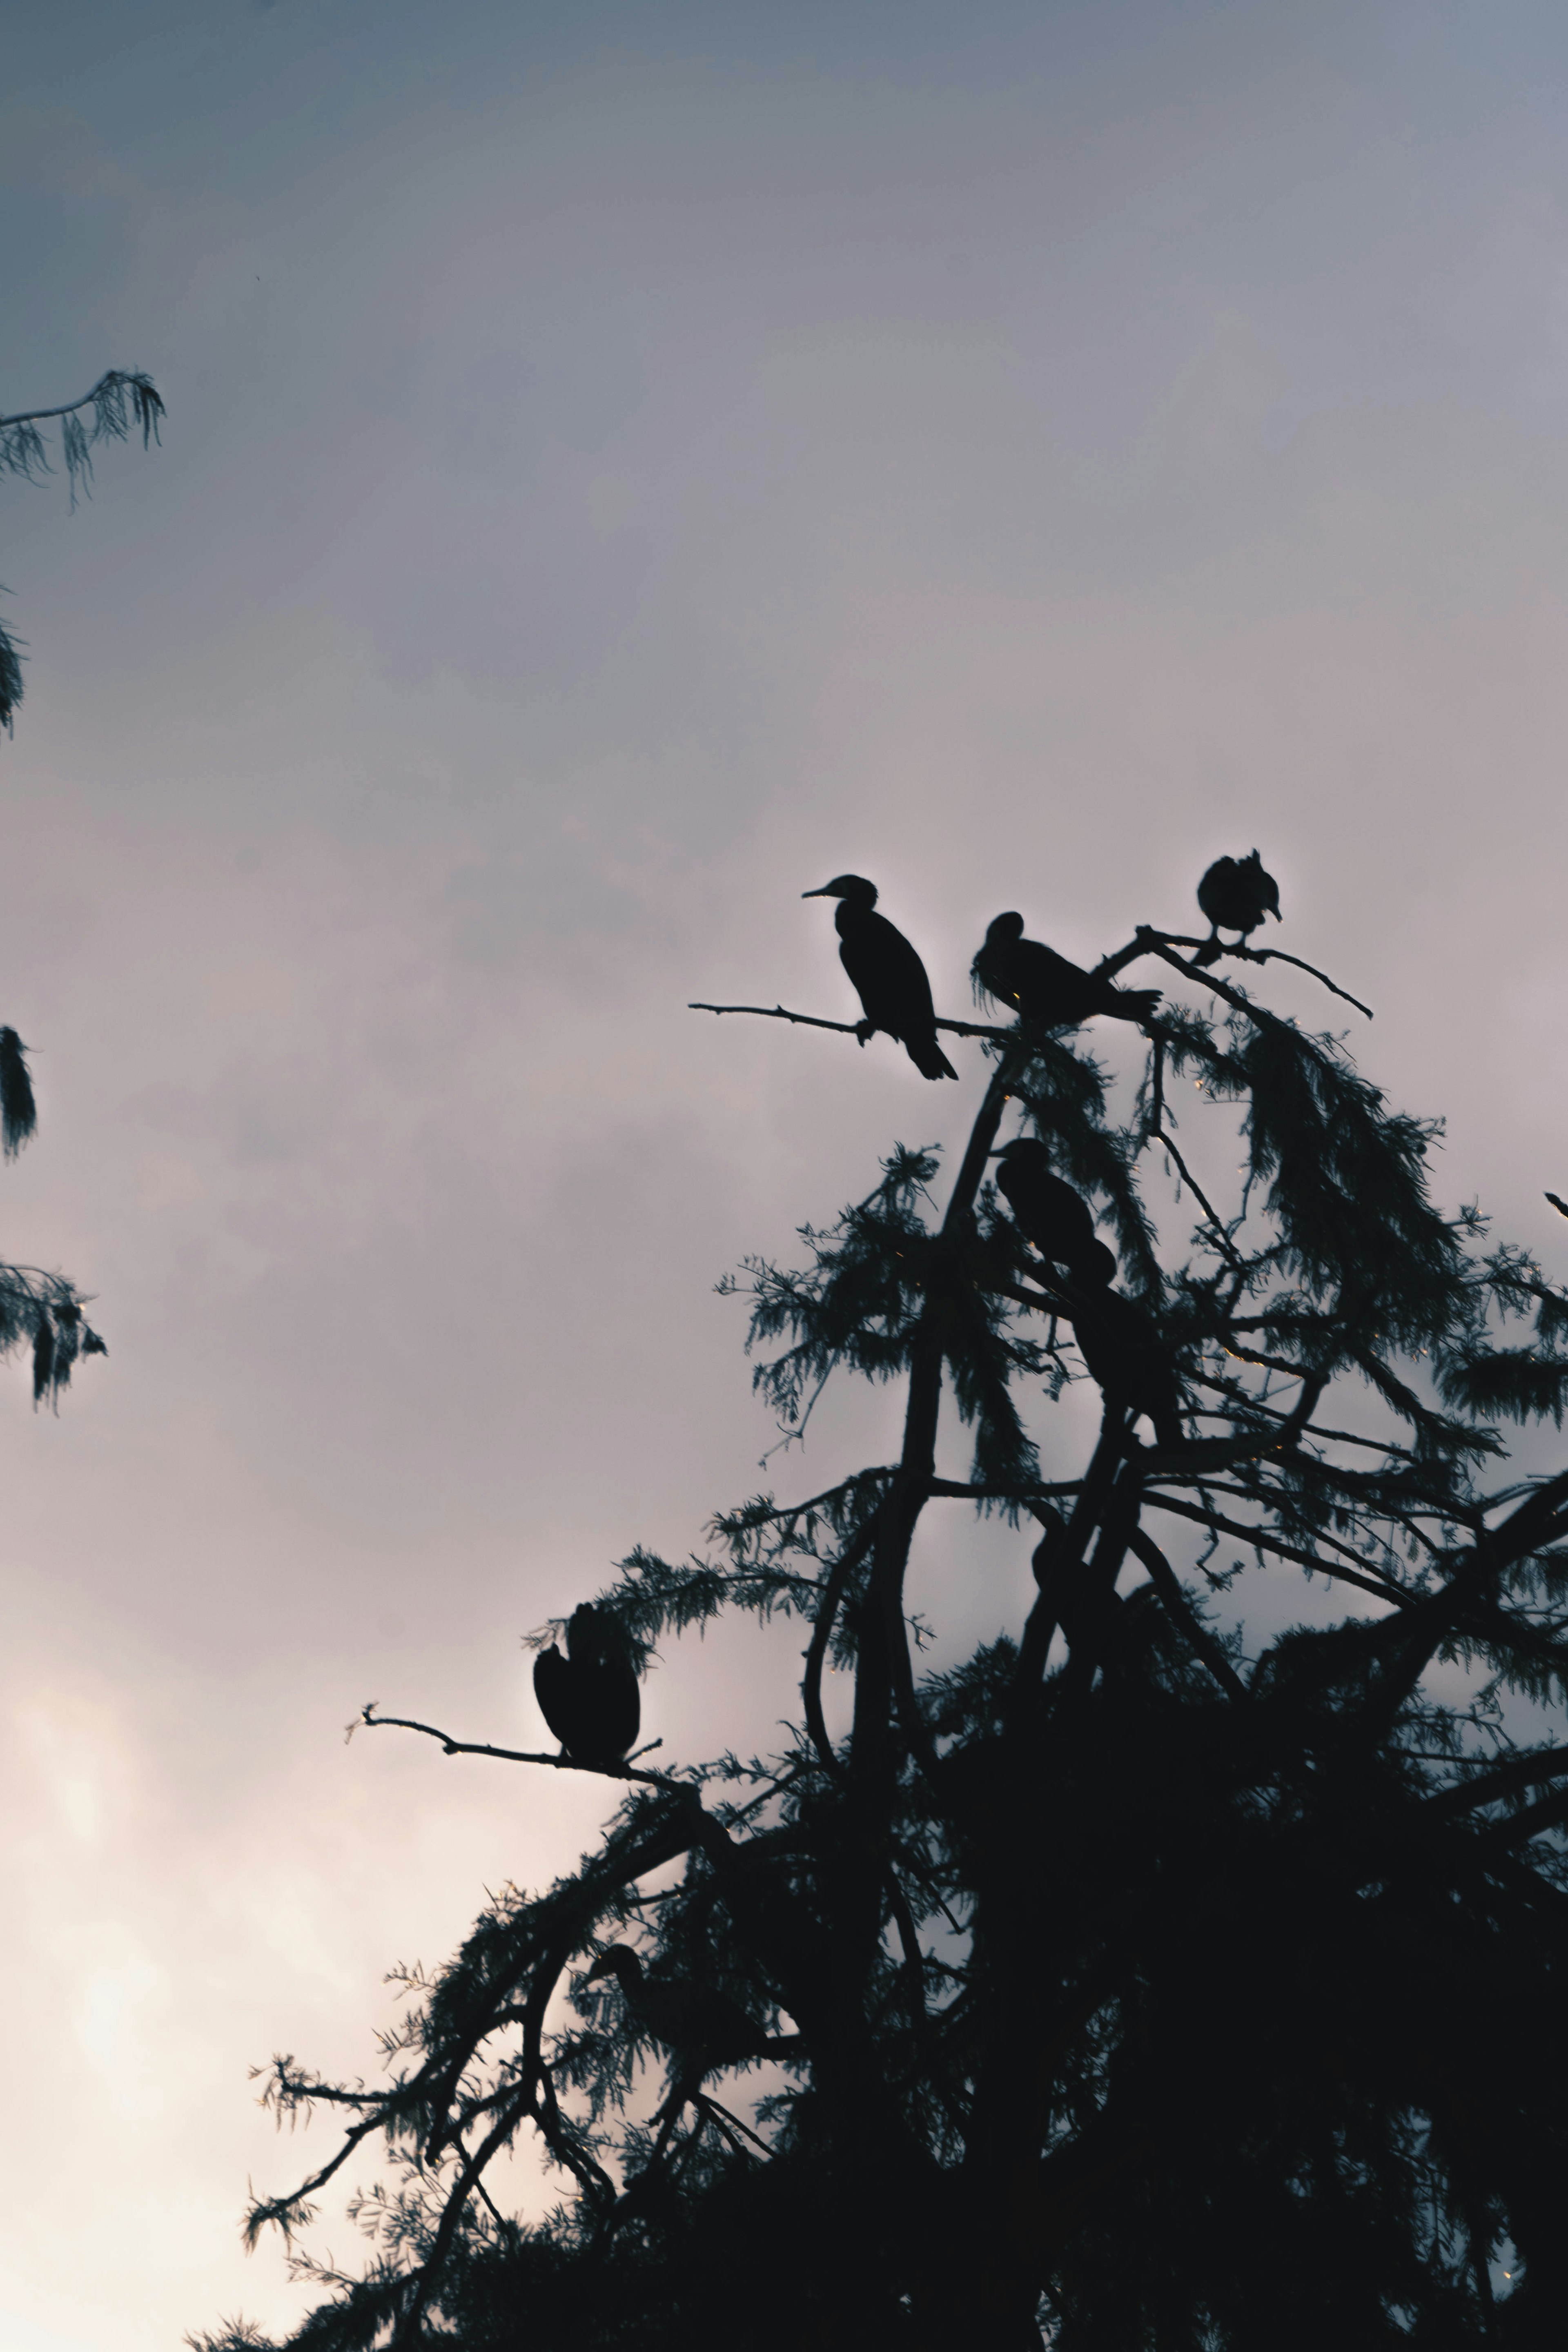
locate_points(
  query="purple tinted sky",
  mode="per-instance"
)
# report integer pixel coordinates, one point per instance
(624, 467)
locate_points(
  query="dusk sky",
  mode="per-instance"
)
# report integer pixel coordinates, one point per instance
(623, 466)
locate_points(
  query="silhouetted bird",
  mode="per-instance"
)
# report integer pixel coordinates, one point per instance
(1121, 1345)
(702, 2025)
(1235, 894)
(590, 1698)
(1047, 1212)
(889, 976)
(1044, 987)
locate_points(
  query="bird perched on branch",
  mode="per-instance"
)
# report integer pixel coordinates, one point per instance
(1235, 894)
(1122, 1344)
(590, 1697)
(889, 976)
(700, 2024)
(1046, 1211)
(1044, 987)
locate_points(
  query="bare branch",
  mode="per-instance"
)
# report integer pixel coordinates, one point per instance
(1149, 941)
(1161, 1135)
(845, 1028)
(1165, 944)
(561, 1763)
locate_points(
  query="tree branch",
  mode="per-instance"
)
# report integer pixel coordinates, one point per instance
(845, 1028)
(1160, 943)
(1266, 1542)
(843, 1568)
(561, 1763)
(1159, 1134)
(1149, 941)
(1518, 1772)
(1167, 1584)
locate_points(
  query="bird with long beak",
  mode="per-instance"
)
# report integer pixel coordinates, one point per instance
(888, 977)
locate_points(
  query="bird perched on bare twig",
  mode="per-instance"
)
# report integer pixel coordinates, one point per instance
(889, 976)
(590, 1697)
(1235, 894)
(701, 2025)
(1044, 987)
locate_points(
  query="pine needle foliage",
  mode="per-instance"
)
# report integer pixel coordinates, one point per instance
(39, 1312)
(1125, 1990)
(122, 402)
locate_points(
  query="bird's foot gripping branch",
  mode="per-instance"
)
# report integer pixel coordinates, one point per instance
(1117, 1985)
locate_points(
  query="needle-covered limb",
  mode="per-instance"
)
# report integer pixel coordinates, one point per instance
(1156, 1498)
(1488, 1788)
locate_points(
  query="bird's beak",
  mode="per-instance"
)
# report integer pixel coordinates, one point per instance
(1000, 1154)
(823, 893)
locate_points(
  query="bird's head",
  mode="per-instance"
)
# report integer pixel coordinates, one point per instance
(592, 1635)
(619, 1961)
(1005, 931)
(1022, 1153)
(1265, 885)
(853, 887)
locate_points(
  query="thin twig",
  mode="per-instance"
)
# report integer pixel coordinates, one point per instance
(1196, 1188)
(1163, 945)
(756, 1518)
(451, 1746)
(845, 1028)
(42, 415)
(1260, 1538)
(1150, 941)
(1312, 1428)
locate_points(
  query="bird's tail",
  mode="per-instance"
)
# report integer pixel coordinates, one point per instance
(1136, 1003)
(928, 1058)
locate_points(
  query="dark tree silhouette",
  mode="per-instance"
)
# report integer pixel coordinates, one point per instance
(1120, 1989)
(120, 403)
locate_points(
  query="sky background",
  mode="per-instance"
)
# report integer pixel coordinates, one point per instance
(623, 466)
